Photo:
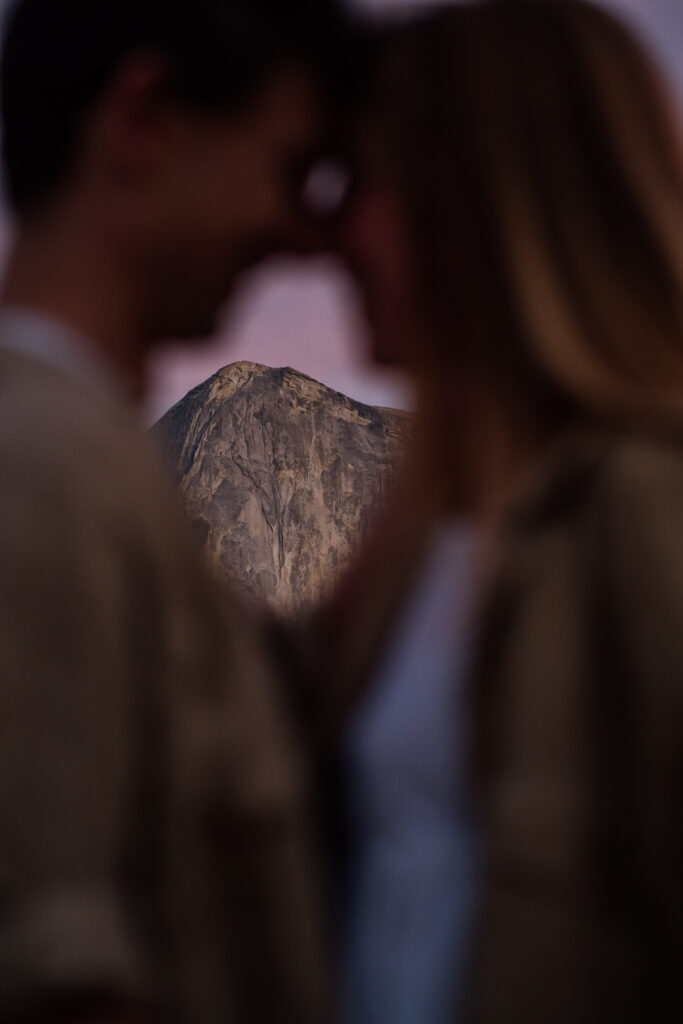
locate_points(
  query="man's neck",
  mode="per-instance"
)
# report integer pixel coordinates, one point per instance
(63, 273)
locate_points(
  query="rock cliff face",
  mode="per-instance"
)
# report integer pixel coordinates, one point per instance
(281, 477)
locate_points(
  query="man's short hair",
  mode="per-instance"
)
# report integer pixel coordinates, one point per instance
(59, 55)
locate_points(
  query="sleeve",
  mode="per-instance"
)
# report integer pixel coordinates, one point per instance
(641, 540)
(275, 859)
(583, 686)
(66, 762)
(641, 596)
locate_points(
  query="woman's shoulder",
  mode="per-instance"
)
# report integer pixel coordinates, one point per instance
(628, 475)
(635, 501)
(635, 514)
(599, 545)
(643, 465)
(610, 506)
(613, 506)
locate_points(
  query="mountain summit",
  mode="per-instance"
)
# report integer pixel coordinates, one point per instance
(280, 476)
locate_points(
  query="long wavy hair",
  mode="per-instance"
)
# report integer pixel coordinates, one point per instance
(537, 157)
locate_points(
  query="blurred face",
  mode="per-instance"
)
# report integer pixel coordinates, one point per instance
(219, 192)
(373, 240)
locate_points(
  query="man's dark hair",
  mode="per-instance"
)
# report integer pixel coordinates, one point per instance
(59, 55)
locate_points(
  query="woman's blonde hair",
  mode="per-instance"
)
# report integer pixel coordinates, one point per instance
(538, 160)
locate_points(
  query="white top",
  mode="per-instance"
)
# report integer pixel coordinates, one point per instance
(415, 875)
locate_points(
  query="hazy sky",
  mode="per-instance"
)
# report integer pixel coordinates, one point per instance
(307, 316)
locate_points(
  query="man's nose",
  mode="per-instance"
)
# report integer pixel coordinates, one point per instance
(320, 205)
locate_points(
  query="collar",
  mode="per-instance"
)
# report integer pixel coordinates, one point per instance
(48, 340)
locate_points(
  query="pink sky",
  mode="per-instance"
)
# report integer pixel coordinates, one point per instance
(306, 316)
(303, 315)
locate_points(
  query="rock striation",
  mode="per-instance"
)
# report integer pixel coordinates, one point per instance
(281, 477)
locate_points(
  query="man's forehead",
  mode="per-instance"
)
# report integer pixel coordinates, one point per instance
(289, 90)
(287, 107)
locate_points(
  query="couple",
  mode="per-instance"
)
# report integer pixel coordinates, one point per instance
(511, 792)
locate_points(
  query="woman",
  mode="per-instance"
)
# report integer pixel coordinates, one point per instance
(519, 235)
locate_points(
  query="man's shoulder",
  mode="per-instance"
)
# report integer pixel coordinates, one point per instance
(69, 443)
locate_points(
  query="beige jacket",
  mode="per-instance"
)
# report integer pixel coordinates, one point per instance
(154, 850)
(578, 709)
(577, 716)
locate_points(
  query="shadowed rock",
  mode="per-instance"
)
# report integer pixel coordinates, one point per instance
(280, 476)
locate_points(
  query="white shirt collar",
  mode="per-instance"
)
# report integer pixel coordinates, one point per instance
(41, 337)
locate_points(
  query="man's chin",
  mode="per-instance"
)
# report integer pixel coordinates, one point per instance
(199, 324)
(195, 331)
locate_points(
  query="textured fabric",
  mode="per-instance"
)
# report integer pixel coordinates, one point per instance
(32, 334)
(415, 868)
(579, 715)
(153, 845)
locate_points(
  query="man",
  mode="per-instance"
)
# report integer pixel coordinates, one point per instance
(153, 849)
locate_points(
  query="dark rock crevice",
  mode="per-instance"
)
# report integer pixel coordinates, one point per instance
(281, 475)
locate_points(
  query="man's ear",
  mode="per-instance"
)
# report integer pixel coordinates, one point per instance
(133, 126)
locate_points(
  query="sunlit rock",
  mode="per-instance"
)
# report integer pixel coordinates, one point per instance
(281, 477)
